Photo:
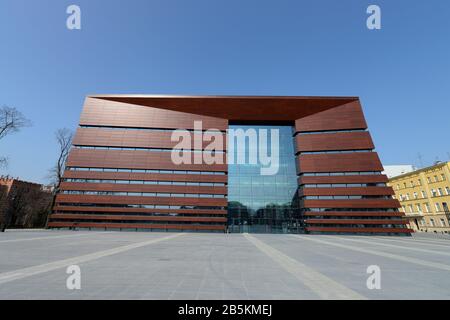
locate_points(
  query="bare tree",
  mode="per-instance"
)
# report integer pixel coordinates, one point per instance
(3, 162)
(64, 139)
(11, 121)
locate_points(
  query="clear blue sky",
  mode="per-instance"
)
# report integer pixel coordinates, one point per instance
(237, 47)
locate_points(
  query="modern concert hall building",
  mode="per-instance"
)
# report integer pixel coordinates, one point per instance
(120, 173)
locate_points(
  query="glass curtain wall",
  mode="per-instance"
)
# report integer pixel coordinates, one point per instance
(263, 203)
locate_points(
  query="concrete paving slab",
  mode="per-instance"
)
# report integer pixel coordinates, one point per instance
(128, 265)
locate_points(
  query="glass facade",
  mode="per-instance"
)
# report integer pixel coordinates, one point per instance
(263, 203)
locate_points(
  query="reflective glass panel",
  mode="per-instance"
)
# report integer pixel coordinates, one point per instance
(263, 203)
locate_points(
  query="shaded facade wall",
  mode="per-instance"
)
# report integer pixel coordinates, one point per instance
(23, 204)
(5, 186)
(120, 174)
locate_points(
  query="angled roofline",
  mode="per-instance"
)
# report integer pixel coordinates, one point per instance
(172, 96)
(236, 108)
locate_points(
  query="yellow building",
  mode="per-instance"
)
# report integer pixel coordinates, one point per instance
(425, 197)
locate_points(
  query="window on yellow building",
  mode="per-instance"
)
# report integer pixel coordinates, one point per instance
(438, 207)
(424, 194)
(427, 208)
(415, 195)
(443, 222)
(440, 192)
(419, 208)
(443, 177)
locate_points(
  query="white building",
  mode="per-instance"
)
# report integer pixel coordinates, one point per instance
(396, 170)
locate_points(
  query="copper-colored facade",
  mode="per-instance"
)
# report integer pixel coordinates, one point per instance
(120, 173)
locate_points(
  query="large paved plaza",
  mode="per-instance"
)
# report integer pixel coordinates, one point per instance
(127, 265)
